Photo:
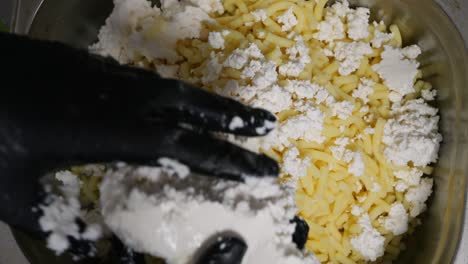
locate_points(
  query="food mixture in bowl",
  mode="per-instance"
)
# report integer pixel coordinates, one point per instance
(356, 134)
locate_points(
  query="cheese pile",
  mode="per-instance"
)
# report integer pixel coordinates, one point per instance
(355, 134)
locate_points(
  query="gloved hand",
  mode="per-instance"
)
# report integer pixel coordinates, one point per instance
(60, 106)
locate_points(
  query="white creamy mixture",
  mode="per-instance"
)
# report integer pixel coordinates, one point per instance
(172, 216)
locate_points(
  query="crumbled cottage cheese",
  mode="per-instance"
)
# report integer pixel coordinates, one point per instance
(412, 134)
(410, 177)
(342, 109)
(306, 90)
(417, 196)
(294, 166)
(307, 125)
(380, 38)
(330, 29)
(376, 187)
(370, 243)
(350, 55)
(411, 52)
(298, 59)
(259, 15)
(237, 59)
(216, 39)
(358, 23)
(398, 69)
(428, 95)
(274, 99)
(213, 69)
(364, 89)
(401, 186)
(340, 8)
(60, 214)
(124, 36)
(291, 69)
(339, 150)
(263, 72)
(356, 167)
(302, 89)
(168, 218)
(397, 220)
(357, 210)
(288, 19)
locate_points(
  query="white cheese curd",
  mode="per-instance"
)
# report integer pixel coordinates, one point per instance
(398, 69)
(364, 89)
(274, 99)
(357, 210)
(213, 68)
(411, 177)
(288, 20)
(369, 243)
(294, 166)
(307, 125)
(216, 39)
(397, 220)
(339, 150)
(428, 95)
(330, 29)
(340, 8)
(237, 59)
(358, 23)
(411, 135)
(342, 109)
(350, 55)
(356, 167)
(124, 35)
(418, 195)
(380, 38)
(259, 15)
(298, 59)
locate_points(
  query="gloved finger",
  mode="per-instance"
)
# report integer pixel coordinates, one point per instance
(301, 232)
(202, 152)
(181, 102)
(121, 254)
(224, 250)
(82, 249)
(85, 85)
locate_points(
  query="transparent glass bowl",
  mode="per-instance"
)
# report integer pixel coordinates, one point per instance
(445, 65)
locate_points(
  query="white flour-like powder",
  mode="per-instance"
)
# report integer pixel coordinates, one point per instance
(171, 216)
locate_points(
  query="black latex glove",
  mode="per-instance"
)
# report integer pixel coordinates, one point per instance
(60, 106)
